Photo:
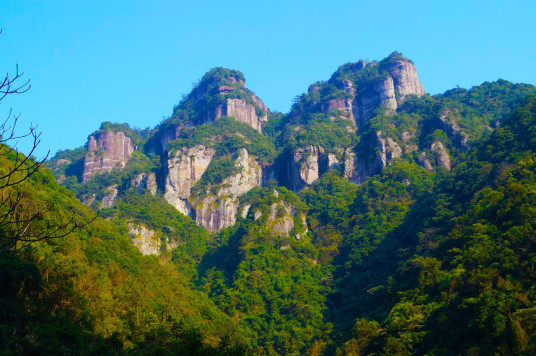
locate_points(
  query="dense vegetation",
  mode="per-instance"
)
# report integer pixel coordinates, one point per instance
(92, 292)
(206, 96)
(411, 261)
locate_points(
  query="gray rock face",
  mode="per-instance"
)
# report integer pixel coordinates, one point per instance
(381, 93)
(307, 164)
(150, 183)
(405, 79)
(400, 78)
(388, 149)
(441, 156)
(148, 241)
(344, 105)
(356, 169)
(449, 124)
(350, 166)
(307, 160)
(241, 111)
(145, 181)
(144, 239)
(170, 134)
(88, 200)
(110, 198)
(281, 219)
(106, 151)
(216, 211)
(62, 161)
(333, 161)
(184, 169)
(425, 162)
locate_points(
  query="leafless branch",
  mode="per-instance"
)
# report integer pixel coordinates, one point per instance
(24, 220)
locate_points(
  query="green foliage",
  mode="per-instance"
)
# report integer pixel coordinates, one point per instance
(136, 135)
(68, 162)
(206, 96)
(226, 135)
(92, 292)
(409, 262)
(465, 281)
(319, 130)
(266, 281)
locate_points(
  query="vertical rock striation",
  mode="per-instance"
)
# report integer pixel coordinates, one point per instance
(216, 210)
(106, 150)
(184, 169)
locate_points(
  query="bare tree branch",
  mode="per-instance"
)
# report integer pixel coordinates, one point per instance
(22, 219)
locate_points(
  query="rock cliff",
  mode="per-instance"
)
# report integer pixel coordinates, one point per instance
(370, 86)
(405, 79)
(217, 207)
(148, 241)
(221, 92)
(441, 156)
(145, 181)
(145, 239)
(109, 198)
(277, 213)
(184, 168)
(241, 111)
(105, 151)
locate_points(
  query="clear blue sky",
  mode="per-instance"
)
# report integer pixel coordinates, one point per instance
(131, 61)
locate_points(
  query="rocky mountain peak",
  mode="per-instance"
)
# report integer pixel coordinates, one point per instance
(356, 90)
(106, 150)
(220, 92)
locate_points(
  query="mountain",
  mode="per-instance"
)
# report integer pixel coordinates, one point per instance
(92, 291)
(372, 218)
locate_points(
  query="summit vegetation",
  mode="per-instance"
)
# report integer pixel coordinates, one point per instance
(401, 230)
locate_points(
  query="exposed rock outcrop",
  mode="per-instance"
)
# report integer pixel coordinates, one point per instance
(62, 162)
(280, 219)
(221, 92)
(88, 200)
(171, 133)
(388, 150)
(299, 168)
(396, 82)
(350, 166)
(144, 239)
(241, 111)
(109, 198)
(425, 162)
(218, 210)
(356, 168)
(184, 168)
(380, 93)
(441, 156)
(405, 79)
(148, 241)
(308, 160)
(106, 150)
(145, 181)
(344, 105)
(450, 125)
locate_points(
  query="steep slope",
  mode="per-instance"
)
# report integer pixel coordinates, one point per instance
(456, 270)
(362, 268)
(93, 292)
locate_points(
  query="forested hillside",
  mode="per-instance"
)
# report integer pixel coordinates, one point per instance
(373, 218)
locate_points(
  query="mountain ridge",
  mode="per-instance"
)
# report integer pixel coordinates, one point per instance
(319, 236)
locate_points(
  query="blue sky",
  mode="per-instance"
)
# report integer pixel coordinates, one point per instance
(131, 61)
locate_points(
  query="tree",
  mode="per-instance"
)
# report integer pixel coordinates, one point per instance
(17, 222)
